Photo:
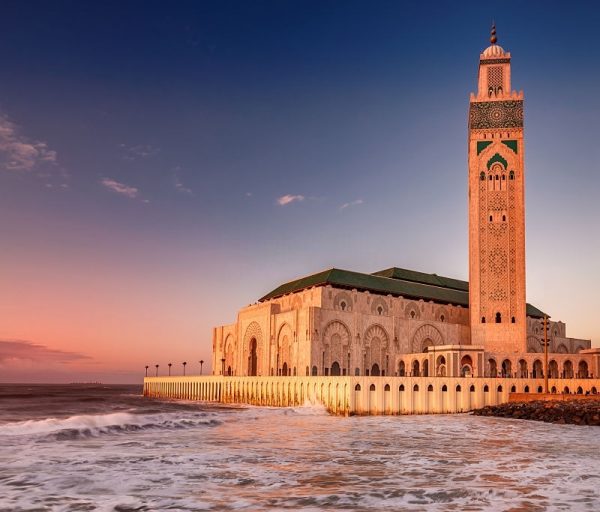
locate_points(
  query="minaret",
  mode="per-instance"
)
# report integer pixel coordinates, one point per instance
(496, 207)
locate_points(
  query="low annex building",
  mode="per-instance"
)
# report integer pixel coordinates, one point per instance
(399, 322)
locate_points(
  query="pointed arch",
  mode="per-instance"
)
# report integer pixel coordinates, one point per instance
(336, 339)
(253, 348)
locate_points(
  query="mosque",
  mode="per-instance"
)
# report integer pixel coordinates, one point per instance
(404, 323)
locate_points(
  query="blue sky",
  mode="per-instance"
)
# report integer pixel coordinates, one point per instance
(146, 146)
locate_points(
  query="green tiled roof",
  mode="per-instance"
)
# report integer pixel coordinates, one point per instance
(422, 277)
(393, 281)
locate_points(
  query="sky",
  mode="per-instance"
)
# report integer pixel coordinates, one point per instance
(163, 164)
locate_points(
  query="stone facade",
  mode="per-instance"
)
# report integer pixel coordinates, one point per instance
(326, 331)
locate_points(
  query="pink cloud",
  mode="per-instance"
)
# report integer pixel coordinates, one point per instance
(120, 188)
(289, 198)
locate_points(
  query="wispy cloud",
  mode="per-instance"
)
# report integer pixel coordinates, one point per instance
(138, 151)
(11, 350)
(120, 188)
(351, 203)
(21, 154)
(179, 186)
(289, 198)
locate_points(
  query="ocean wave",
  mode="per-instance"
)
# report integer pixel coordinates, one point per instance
(79, 426)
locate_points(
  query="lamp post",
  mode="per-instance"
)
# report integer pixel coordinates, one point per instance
(201, 363)
(184, 363)
(147, 370)
(169, 365)
(546, 354)
(156, 366)
(223, 366)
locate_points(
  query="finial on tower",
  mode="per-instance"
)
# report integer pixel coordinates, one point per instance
(493, 38)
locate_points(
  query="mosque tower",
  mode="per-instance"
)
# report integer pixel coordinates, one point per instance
(496, 207)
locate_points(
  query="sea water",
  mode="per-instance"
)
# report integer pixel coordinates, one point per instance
(106, 448)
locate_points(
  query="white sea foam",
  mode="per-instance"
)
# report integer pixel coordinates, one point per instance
(299, 459)
(95, 424)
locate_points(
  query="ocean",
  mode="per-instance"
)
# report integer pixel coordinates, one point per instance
(106, 448)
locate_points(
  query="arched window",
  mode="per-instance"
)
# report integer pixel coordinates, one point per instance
(491, 218)
(442, 318)
(504, 177)
(491, 177)
(387, 387)
(444, 388)
(357, 387)
(512, 320)
(498, 318)
(379, 310)
(486, 389)
(503, 218)
(511, 175)
(401, 388)
(482, 319)
(372, 388)
(343, 306)
(482, 176)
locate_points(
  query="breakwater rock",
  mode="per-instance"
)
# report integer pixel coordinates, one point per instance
(574, 412)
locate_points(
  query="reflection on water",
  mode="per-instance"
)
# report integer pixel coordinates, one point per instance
(126, 453)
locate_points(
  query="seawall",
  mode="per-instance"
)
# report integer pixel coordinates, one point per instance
(360, 395)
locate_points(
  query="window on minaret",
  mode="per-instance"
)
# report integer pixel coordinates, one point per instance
(498, 318)
(482, 319)
(503, 218)
(511, 176)
(482, 176)
(495, 78)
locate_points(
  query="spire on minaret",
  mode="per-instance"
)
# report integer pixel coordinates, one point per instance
(493, 38)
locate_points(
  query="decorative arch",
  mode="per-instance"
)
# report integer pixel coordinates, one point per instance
(425, 336)
(412, 311)
(339, 328)
(253, 347)
(283, 354)
(342, 301)
(379, 306)
(497, 158)
(562, 349)
(442, 315)
(376, 343)
(229, 351)
(336, 339)
(376, 331)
